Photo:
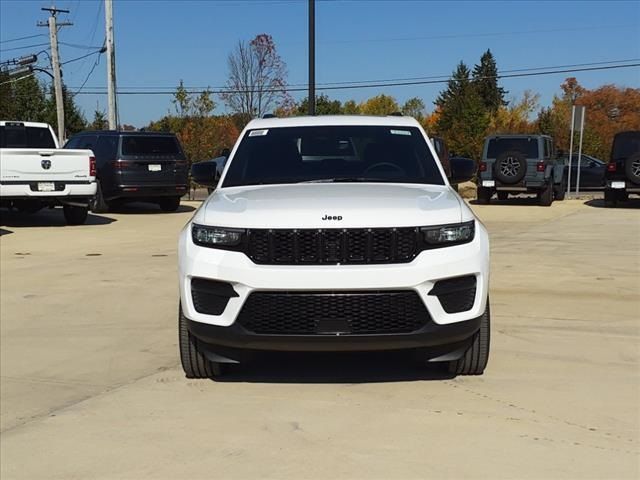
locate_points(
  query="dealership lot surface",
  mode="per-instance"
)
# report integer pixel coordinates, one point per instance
(91, 386)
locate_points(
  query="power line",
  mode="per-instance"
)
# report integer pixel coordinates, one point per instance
(23, 48)
(83, 56)
(88, 76)
(374, 85)
(14, 80)
(23, 38)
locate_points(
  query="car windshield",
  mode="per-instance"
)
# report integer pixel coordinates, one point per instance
(625, 145)
(500, 146)
(19, 136)
(146, 145)
(333, 154)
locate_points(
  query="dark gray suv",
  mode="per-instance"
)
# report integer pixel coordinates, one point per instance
(514, 164)
(136, 166)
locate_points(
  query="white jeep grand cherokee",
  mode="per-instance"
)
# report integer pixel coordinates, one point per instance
(333, 234)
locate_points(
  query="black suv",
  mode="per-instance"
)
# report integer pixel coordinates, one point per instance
(136, 166)
(623, 170)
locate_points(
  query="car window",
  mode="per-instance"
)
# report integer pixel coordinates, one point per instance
(150, 146)
(339, 153)
(87, 142)
(73, 143)
(19, 136)
(546, 148)
(106, 148)
(525, 145)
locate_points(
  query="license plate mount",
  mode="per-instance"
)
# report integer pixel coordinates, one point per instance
(155, 167)
(46, 187)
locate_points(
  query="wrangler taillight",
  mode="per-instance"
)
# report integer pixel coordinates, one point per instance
(483, 167)
(92, 166)
(611, 167)
(540, 167)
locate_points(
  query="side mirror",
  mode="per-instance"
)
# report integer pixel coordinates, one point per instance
(462, 170)
(205, 173)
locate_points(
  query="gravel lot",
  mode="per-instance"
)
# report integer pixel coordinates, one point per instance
(91, 386)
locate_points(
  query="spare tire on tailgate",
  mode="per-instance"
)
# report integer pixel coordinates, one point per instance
(632, 167)
(510, 166)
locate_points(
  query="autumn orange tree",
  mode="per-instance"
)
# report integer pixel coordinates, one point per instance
(609, 109)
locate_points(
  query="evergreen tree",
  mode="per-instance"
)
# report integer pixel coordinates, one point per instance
(462, 119)
(99, 120)
(74, 120)
(485, 76)
(324, 106)
(22, 99)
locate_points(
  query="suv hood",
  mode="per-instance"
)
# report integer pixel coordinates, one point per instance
(359, 205)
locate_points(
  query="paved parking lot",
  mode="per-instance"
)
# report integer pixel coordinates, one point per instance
(91, 386)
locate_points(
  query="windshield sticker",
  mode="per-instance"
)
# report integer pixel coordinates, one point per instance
(258, 133)
(400, 132)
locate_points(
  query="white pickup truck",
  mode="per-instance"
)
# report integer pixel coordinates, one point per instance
(36, 173)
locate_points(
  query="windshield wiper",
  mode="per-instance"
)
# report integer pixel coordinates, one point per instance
(345, 180)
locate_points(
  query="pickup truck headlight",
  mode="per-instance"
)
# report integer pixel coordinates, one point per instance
(453, 234)
(215, 236)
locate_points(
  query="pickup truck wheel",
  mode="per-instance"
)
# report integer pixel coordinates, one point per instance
(99, 204)
(169, 204)
(194, 363)
(610, 198)
(632, 168)
(483, 195)
(503, 195)
(475, 359)
(545, 197)
(75, 215)
(510, 167)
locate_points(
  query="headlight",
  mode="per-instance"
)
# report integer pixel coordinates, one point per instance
(215, 236)
(443, 235)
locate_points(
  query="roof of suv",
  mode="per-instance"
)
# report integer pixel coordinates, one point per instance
(330, 120)
(122, 132)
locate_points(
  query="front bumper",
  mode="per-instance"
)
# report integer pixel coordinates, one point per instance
(420, 275)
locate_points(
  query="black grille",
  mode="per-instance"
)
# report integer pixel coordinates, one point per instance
(331, 246)
(456, 294)
(313, 313)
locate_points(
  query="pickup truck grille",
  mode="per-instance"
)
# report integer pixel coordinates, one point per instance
(332, 246)
(344, 312)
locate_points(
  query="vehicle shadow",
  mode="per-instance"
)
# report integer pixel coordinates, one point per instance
(46, 218)
(632, 203)
(341, 367)
(143, 208)
(529, 200)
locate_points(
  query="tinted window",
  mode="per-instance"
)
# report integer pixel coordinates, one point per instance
(19, 136)
(338, 153)
(106, 148)
(498, 146)
(72, 143)
(143, 145)
(625, 145)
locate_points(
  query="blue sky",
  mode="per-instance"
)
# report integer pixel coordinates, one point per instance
(160, 42)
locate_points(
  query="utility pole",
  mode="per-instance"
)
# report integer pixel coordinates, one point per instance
(55, 65)
(111, 67)
(312, 57)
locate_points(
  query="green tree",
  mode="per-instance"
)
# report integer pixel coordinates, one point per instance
(350, 107)
(324, 106)
(379, 105)
(22, 99)
(462, 118)
(485, 76)
(99, 120)
(414, 107)
(74, 120)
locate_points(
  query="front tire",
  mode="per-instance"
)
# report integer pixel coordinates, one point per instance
(194, 363)
(75, 215)
(169, 204)
(475, 359)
